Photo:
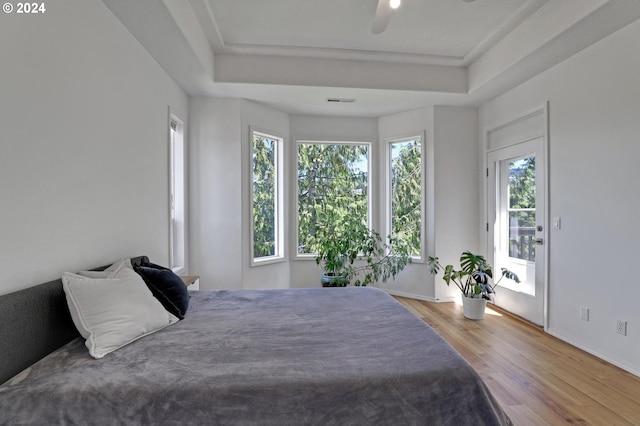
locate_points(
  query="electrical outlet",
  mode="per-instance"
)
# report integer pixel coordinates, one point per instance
(584, 313)
(621, 327)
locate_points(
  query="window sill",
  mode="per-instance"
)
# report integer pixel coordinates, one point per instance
(267, 261)
(305, 257)
(178, 270)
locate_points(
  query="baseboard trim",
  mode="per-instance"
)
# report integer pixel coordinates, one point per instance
(594, 353)
(417, 296)
(409, 295)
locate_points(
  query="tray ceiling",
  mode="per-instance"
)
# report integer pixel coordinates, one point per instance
(295, 54)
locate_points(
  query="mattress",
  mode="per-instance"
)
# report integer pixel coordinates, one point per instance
(325, 356)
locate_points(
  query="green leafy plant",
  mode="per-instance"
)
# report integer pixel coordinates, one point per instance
(357, 253)
(474, 276)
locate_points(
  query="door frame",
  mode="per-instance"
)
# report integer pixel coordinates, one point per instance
(524, 127)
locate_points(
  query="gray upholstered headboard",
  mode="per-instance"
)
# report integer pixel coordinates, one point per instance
(35, 322)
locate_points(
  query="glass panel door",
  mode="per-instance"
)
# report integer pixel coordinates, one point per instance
(517, 226)
(518, 187)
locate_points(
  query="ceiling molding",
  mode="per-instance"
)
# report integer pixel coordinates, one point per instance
(503, 30)
(342, 54)
(568, 28)
(158, 30)
(595, 25)
(208, 23)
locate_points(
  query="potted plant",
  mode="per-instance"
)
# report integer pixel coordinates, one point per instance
(474, 281)
(355, 254)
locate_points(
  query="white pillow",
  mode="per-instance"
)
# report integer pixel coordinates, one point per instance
(113, 312)
(117, 270)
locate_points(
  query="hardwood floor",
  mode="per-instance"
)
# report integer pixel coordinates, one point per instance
(537, 378)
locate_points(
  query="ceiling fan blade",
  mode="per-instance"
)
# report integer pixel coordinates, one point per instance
(383, 14)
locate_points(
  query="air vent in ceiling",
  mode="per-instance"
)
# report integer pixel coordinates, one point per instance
(343, 100)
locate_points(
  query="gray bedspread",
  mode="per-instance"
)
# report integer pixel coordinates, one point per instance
(331, 356)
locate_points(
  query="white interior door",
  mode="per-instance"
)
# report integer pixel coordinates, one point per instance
(517, 227)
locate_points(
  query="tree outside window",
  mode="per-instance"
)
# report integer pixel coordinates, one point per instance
(267, 240)
(406, 194)
(333, 188)
(522, 208)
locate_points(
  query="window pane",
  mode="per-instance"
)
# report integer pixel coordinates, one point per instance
(522, 183)
(522, 203)
(264, 195)
(177, 235)
(406, 194)
(333, 188)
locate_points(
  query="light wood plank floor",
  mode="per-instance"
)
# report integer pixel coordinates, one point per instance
(537, 378)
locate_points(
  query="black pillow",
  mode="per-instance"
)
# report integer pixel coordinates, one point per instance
(167, 287)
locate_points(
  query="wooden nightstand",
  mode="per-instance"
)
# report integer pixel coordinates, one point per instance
(192, 282)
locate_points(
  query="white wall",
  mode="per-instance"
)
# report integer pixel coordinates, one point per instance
(84, 148)
(594, 104)
(220, 216)
(215, 192)
(456, 195)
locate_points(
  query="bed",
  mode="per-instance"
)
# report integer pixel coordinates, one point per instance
(322, 356)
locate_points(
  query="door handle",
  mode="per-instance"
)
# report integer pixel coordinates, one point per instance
(539, 241)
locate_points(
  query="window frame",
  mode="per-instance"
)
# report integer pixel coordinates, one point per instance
(279, 234)
(177, 196)
(420, 136)
(370, 148)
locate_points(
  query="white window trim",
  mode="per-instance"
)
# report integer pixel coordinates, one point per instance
(279, 255)
(312, 256)
(177, 195)
(423, 177)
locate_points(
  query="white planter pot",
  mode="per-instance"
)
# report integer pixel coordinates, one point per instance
(474, 308)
